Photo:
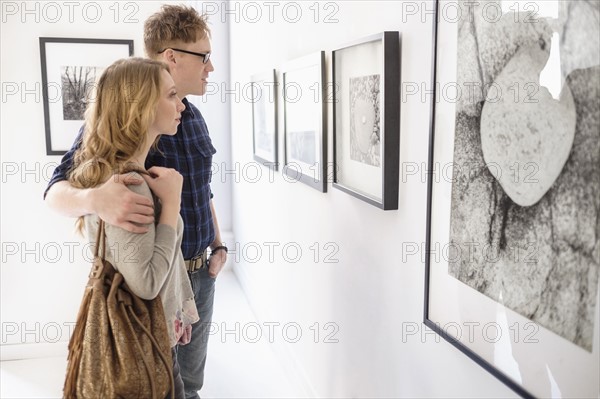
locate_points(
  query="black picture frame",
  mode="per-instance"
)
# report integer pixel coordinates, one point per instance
(264, 118)
(527, 356)
(78, 61)
(366, 157)
(305, 120)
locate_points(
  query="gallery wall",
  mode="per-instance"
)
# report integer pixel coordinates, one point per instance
(344, 274)
(45, 263)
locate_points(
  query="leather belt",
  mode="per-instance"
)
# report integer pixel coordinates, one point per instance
(196, 263)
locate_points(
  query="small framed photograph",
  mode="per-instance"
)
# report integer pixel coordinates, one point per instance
(511, 259)
(305, 123)
(264, 118)
(366, 119)
(70, 68)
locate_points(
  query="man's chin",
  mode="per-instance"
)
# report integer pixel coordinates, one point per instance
(199, 92)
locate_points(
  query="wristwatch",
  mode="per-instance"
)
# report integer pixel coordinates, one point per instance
(215, 249)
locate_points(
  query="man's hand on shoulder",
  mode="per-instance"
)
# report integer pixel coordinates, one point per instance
(121, 207)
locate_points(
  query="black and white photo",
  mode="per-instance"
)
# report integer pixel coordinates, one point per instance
(305, 122)
(77, 87)
(70, 67)
(365, 135)
(519, 213)
(264, 117)
(366, 119)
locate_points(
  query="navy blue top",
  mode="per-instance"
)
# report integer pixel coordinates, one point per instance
(189, 152)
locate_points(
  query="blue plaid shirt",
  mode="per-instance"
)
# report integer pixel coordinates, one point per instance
(189, 152)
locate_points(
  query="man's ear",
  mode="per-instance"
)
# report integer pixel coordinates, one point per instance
(168, 57)
(171, 56)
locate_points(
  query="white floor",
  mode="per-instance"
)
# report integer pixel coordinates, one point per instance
(236, 367)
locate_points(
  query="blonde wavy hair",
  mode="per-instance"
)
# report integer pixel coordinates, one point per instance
(117, 121)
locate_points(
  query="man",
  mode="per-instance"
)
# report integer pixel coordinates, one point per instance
(180, 37)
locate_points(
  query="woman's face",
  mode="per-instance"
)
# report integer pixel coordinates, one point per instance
(168, 109)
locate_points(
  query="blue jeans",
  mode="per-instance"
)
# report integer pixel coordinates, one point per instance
(192, 357)
(178, 388)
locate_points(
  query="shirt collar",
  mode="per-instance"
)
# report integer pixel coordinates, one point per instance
(188, 108)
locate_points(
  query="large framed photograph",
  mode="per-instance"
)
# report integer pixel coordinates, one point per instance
(513, 243)
(70, 68)
(366, 119)
(305, 122)
(264, 118)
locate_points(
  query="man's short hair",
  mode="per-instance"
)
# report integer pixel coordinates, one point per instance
(173, 24)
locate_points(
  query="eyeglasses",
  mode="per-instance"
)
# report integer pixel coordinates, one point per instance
(205, 56)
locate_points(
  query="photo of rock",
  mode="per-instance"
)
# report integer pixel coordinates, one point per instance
(525, 209)
(365, 136)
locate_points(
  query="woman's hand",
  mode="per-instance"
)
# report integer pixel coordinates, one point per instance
(166, 184)
(187, 335)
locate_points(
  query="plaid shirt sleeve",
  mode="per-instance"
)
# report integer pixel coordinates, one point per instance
(61, 172)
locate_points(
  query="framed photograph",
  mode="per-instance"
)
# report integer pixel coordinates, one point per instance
(70, 68)
(264, 118)
(512, 250)
(366, 119)
(305, 123)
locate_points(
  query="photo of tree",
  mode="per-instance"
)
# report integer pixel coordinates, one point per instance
(77, 88)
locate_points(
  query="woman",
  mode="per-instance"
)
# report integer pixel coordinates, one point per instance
(136, 102)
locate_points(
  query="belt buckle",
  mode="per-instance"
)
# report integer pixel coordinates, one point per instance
(197, 262)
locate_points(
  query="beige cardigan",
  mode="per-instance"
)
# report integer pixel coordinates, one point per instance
(152, 264)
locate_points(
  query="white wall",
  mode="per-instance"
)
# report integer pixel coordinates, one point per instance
(371, 293)
(44, 262)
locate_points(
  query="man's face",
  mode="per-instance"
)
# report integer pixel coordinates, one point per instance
(188, 70)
